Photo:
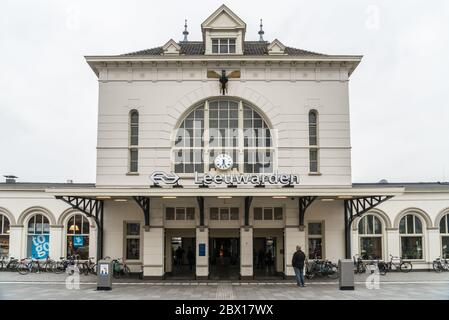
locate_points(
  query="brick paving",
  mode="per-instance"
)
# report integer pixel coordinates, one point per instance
(415, 285)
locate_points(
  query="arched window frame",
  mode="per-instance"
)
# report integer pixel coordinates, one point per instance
(444, 235)
(240, 146)
(406, 234)
(83, 231)
(5, 228)
(33, 230)
(133, 146)
(313, 142)
(373, 235)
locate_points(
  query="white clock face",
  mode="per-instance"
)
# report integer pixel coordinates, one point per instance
(223, 162)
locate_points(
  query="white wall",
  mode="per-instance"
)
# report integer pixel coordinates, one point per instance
(163, 94)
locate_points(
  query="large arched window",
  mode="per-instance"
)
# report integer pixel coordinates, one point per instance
(133, 141)
(77, 231)
(370, 234)
(226, 127)
(313, 141)
(444, 231)
(4, 235)
(411, 231)
(38, 239)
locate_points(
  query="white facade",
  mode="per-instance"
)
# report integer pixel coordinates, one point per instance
(281, 84)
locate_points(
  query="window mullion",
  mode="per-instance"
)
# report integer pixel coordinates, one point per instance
(206, 137)
(240, 141)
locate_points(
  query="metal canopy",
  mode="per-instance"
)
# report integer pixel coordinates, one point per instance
(303, 204)
(92, 208)
(355, 208)
(144, 203)
(194, 191)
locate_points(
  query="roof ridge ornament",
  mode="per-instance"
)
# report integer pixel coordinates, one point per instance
(261, 32)
(185, 32)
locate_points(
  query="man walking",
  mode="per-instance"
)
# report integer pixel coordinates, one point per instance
(298, 265)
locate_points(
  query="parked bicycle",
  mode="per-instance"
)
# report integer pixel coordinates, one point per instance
(440, 264)
(69, 264)
(120, 269)
(9, 263)
(28, 265)
(359, 264)
(89, 267)
(321, 268)
(395, 263)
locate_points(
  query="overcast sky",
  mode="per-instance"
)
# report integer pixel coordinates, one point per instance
(398, 95)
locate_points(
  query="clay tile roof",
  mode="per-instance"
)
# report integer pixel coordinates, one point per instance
(194, 48)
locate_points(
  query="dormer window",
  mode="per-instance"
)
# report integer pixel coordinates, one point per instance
(223, 45)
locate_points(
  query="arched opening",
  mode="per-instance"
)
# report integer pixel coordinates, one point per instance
(38, 237)
(4, 235)
(444, 233)
(223, 134)
(78, 236)
(370, 237)
(133, 166)
(313, 142)
(411, 236)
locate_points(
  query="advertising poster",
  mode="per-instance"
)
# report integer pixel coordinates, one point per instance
(78, 241)
(40, 247)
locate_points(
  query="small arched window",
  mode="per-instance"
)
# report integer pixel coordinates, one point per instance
(411, 232)
(370, 234)
(38, 239)
(444, 231)
(313, 142)
(4, 235)
(313, 128)
(133, 141)
(78, 236)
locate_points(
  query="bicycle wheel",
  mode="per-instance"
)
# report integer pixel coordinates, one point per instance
(406, 267)
(49, 266)
(93, 269)
(437, 267)
(23, 269)
(332, 271)
(126, 271)
(58, 267)
(382, 268)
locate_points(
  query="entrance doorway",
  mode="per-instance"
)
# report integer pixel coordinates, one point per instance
(268, 253)
(224, 258)
(265, 256)
(182, 257)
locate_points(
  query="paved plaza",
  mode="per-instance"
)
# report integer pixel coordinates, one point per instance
(415, 285)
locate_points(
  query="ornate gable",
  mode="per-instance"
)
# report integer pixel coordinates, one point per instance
(171, 48)
(276, 47)
(223, 24)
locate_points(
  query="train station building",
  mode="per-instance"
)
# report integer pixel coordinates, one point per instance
(228, 153)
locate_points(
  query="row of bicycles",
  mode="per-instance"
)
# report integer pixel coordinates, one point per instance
(395, 264)
(440, 264)
(30, 265)
(321, 269)
(70, 265)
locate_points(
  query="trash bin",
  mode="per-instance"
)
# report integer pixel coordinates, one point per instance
(104, 275)
(346, 269)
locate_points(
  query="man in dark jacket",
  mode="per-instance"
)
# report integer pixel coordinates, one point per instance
(298, 265)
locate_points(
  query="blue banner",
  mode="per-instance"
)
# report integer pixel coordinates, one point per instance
(78, 241)
(202, 250)
(40, 247)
